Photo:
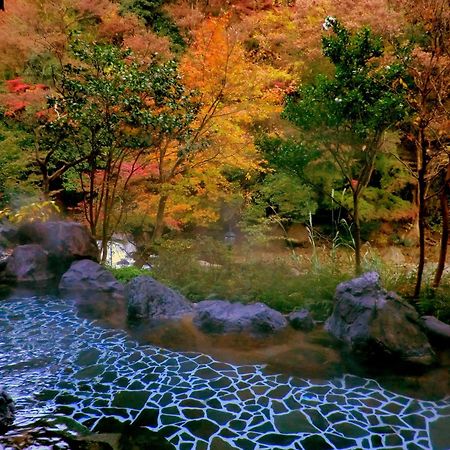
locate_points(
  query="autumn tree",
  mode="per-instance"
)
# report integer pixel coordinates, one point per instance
(349, 113)
(230, 92)
(50, 148)
(35, 36)
(428, 66)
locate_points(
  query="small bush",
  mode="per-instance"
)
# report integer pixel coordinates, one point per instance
(125, 274)
(435, 302)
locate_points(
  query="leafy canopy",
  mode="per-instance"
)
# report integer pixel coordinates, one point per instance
(365, 93)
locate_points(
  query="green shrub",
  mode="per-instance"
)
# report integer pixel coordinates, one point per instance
(435, 302)
(125, 274)
(402, 279)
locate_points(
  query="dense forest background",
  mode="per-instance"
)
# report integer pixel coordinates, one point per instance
(318, 124)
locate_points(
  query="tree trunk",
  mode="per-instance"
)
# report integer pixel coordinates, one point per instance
(421, 184)
(443, 198)
(357, 231)
(106, 213)
(91, 213)
(104, 250)
(45, 185)
(159, 224)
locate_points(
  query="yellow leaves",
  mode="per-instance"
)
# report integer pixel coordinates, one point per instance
(214, 63)
(402, 83)
(43, 210)
(234, 90)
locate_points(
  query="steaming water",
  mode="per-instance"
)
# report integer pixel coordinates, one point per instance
(54, 362)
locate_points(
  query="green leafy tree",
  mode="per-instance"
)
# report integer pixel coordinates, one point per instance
(278, 199)
(16, 164)
(347, 114)
(116, 110)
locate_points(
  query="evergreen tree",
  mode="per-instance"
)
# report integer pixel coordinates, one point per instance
(347, 114)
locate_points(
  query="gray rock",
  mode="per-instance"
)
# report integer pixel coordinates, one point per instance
(65, 242)
(222, 316)
(4, 255)
(436, 329)
(7, 410)
(8, 233)
(28, 263)
(375, 323)
(148, 299)
(394, 255)
(301, 320)
(87, 276)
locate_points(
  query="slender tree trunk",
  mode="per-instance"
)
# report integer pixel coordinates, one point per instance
(159, 224)
(91, 213)
(106, 212)
(104, 251)
(357, 231)
(443, 198)
(45, 183)
(421, 184)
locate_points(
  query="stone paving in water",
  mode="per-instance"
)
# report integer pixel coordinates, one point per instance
(53, 361)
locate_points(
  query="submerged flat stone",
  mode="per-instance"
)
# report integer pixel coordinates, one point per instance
(316, 442)
(130, 399)
(90, 372)
(294, 422)
(203, 428)
(351, 430)
(440, 433)
(88, 357)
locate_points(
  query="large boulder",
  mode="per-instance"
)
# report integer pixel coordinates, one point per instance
(148, 299)
(7, 410)
(28, 263)
(65, 242)
(222, 316)
(301, 320)
(437, 330)
(64, 433)
(88, 277)
(374, 323)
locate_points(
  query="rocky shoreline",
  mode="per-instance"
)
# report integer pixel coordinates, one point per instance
(369, 322)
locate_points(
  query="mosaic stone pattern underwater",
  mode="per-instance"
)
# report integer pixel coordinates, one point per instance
(53, 361)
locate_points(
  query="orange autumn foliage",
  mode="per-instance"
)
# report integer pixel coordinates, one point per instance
(32, 28)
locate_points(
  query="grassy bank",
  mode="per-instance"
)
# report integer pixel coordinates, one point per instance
(286, 281)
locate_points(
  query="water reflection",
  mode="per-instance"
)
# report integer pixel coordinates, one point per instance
(314, 355)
